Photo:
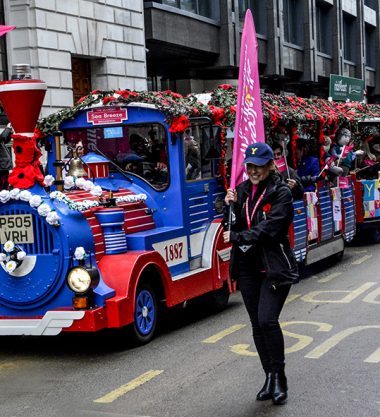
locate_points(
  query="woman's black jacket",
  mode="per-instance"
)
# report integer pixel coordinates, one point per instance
(269, 230)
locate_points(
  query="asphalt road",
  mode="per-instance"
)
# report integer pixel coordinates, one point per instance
(205, 365)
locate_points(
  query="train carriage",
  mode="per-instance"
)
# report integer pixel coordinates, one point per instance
(110, 235)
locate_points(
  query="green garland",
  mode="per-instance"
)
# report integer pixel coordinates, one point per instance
(279, 111)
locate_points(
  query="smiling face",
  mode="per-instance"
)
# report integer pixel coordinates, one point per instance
(257, 173)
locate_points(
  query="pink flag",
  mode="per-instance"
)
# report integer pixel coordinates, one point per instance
(346, 150)
(343, 182)
(330, 161)
(280, 164)
(249, 125)
(5, 29)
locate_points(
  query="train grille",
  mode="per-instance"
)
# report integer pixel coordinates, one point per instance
(43, 237)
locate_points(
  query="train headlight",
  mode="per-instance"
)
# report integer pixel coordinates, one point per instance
(80, 279)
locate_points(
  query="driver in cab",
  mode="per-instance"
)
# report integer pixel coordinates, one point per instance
(140, 160)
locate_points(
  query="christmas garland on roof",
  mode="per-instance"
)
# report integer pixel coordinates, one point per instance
(277, 110)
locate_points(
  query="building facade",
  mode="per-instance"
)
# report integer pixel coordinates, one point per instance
(194, 44)
(76, 46)
(189, 45)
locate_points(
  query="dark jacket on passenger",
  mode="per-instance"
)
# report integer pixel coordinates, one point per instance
(269, 230)
(297, 191)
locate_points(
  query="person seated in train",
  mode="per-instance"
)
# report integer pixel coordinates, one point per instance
(308, 168)
(331, 168)
(343, 150)
(141, 160)
(192, 156)
(370, 161)
(288, 174)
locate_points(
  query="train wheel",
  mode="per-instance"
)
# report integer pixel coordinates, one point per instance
(145, 316)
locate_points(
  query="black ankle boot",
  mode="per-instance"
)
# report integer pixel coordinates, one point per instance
(266, 391)
(279, 388)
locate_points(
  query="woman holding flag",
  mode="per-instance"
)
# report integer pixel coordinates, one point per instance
(262, 260)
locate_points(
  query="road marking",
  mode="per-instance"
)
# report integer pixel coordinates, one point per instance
(292, 297)
(219, 336)
(351, 295)
(7, 365)
(334, 340)
(371, 297)
(358, 251)
(374, 357)
(361, 260)
(330, 277)
(242, 349)
(131, 385)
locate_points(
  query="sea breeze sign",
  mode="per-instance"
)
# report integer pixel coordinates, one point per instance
(107, 116)
(346, 88)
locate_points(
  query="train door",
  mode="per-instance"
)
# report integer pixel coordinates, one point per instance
(203, 188)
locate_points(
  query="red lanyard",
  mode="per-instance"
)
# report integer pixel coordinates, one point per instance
(249, 219)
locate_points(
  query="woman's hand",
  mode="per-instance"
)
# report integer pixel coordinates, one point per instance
(291, 183)
(226, 236)
(230, 196)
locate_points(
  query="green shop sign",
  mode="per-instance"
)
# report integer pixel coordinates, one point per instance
(346, 88)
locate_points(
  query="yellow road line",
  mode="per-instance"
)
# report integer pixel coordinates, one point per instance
(7, 365)
(292, 297)
(374, 357)
(361, 260)
(118, 392)
(330, 277)
(219, 336)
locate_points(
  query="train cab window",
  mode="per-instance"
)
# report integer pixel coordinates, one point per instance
(141, 150)
(200, 153)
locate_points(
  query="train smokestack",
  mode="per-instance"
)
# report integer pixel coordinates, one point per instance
(22, 98)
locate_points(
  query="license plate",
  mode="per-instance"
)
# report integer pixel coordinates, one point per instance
(16, 227)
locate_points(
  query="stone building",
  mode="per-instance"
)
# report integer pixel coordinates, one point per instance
(75, 45)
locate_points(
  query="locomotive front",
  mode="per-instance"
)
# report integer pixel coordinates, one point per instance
(47, 253)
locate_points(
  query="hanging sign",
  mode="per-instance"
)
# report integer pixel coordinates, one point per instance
(107, 116)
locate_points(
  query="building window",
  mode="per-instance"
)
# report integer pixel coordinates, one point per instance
(259, 12)
(349, 37)
(371, 3)
(206, 8)
(293, 21)
(370, 46)
(324, 29)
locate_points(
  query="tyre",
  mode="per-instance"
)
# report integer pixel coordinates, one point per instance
(145, 315)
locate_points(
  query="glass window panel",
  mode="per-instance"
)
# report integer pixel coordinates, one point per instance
(370, 50)
(189, 5)
(348, 38)
(293, 18)
(324, 29)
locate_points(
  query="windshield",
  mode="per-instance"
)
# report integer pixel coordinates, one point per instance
(138, 149)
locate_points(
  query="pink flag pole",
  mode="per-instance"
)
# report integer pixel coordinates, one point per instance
(5, 29)
(249, 125)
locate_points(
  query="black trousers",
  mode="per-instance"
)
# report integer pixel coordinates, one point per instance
(264, 305)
